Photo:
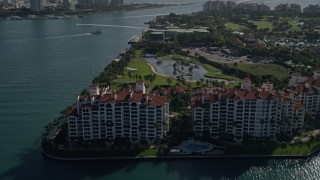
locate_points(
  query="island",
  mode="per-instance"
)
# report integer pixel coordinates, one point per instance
(60, 11)
(211, 84)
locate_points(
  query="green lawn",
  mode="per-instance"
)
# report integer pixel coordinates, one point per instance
(142, 69)
(262, 24)
(297, 149)
(293, 22)
(149, 152)
(235, 27)
(263, 69)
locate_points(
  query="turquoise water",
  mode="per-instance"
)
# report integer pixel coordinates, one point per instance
(44, 64)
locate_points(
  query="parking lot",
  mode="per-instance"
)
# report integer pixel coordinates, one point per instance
(216, 55)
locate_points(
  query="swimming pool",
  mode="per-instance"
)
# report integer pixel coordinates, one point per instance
(197, 147)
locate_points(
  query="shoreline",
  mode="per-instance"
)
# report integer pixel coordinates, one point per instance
(183, 157)
(69, 15)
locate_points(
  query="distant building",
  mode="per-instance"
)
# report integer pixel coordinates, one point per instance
(288, 8)
(281, 8)
(86, 4)
(170, 33)
(217, 5)
(36, 6)
(68, 5)
(252, 7)
(101, 3)
(295, 8)
(312, 9)
(262, 7)
(115, 3)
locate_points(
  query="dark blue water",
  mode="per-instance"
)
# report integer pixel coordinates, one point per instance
(44, 64)
(166, 68)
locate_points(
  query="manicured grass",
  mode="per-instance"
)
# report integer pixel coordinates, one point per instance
(213, 72)
(263, 24)
(297, 149)
(142, 69)
(234, 26)
(293, 22)
(149, 152)
(276, 149)
(263, 69)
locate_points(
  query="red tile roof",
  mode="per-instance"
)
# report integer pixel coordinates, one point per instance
(313, 81)
(302, 89)
(126, 96)
(225, 94)
(72, 110)
(88, 105)
(298, 106)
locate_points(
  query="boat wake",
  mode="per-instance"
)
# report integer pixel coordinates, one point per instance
(150, 15)
(69, 36)
(109, 25)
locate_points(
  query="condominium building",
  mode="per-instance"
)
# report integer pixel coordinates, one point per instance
(253, 7)
(68, 5)
(116, 3)
(129, 113)
(312, 9)
(93, 3)
(217, 5)
(36, 6)
(285, 8)
(260, 114)
(306, 90)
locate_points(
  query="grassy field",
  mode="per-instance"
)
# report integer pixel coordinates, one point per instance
(235, 27)
(297, 149)
(141, 68)
(263, 24)
(293, 22)
(149, 152)
(266, 23)
(263, 69)
(138, 67)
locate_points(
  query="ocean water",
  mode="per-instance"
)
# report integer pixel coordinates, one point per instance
(45, 63)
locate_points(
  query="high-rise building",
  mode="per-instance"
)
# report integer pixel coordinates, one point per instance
(312, 9)
(288, 8)
(36, 6)
(217, 5)
(116, 3)
(245, 112)
(101, 3)
(93, 3)
(68, 5)
(306, 90)
(128, 114)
